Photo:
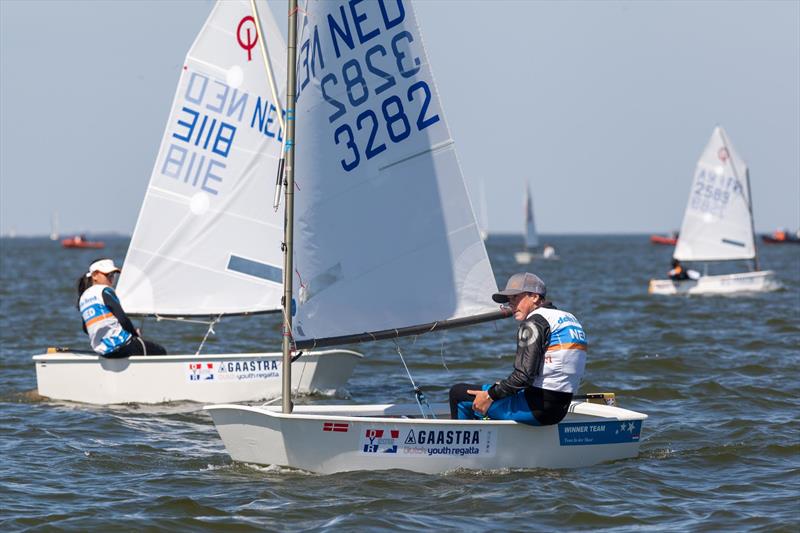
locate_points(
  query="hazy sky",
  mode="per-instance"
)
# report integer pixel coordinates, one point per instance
(603, 107)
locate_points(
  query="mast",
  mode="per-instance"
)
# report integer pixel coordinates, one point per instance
(288, 267)
(752, 220)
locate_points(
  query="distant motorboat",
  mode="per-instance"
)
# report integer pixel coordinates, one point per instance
(781, 237)
(661, 239)
(80, 241)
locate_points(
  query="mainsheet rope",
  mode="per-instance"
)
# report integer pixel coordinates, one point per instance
(418, 394)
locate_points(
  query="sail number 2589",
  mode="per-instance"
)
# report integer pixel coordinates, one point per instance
(390, 116)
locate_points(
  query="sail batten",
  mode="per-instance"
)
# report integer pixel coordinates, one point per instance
(213, 176)
(718, 223)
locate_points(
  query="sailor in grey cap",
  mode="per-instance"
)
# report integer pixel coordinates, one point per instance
(548, 367)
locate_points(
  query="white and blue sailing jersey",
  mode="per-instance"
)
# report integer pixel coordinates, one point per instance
(106, 334)
(565, 357)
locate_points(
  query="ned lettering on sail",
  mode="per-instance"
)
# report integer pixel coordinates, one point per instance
(365, 67)
(204, 130)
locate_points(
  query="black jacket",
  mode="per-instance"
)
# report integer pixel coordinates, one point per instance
(533, 338)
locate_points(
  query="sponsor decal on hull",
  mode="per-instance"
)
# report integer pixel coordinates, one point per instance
(610, 432)
(428, 442)
(235, 370)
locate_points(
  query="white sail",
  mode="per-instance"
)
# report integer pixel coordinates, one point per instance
(207, 240)
(54, 226)
(531, 237)
(484, 214)
(384, 233)
(718, 223)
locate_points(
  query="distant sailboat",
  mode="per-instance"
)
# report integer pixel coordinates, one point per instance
(718, 225)
(54, 226)
(530, 236)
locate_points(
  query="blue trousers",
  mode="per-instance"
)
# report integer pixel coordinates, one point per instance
(509, 408)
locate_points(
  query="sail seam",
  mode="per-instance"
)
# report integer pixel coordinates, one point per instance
(216, 211)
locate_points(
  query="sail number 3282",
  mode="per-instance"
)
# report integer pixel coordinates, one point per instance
(388, 121)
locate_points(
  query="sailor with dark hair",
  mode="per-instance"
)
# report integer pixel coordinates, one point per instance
(678, 273)
(549, 364)
(111, 332)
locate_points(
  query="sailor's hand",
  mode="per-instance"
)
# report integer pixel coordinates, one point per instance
(482, 400)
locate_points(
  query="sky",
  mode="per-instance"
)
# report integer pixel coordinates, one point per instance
(602, 107)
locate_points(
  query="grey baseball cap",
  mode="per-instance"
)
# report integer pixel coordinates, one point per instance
(519, 283)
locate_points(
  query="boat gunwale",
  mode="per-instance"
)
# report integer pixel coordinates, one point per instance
(735, 275)
(273, 412)
(74, 357)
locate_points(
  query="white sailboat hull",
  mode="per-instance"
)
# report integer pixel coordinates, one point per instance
(198, 378)
(725, 284)
(523, 258)
(329, 439)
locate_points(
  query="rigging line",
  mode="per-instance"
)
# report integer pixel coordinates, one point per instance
(291, 336)
(441, 353)
(300, 379)
(159, 318)
(418, 394)
(208, 332)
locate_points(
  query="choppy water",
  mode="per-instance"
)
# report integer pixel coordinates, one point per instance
(717, 375)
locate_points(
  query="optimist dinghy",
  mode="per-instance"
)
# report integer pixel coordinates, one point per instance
(407, 258)
(531, 240)
(718, 225)
(207, 243)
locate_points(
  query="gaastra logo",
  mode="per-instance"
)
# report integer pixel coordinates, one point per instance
(455, 436)
(248, 366)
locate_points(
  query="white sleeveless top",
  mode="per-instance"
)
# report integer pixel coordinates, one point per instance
(105, 332)
(565, 358)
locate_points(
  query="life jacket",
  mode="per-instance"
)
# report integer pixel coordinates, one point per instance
(106, 334)
(565, 357)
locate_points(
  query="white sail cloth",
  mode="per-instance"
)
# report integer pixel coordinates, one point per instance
(718, 222)
(531, 237)
(385, 235)
(207, 240)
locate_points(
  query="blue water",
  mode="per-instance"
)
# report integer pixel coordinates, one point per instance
(718, 377)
